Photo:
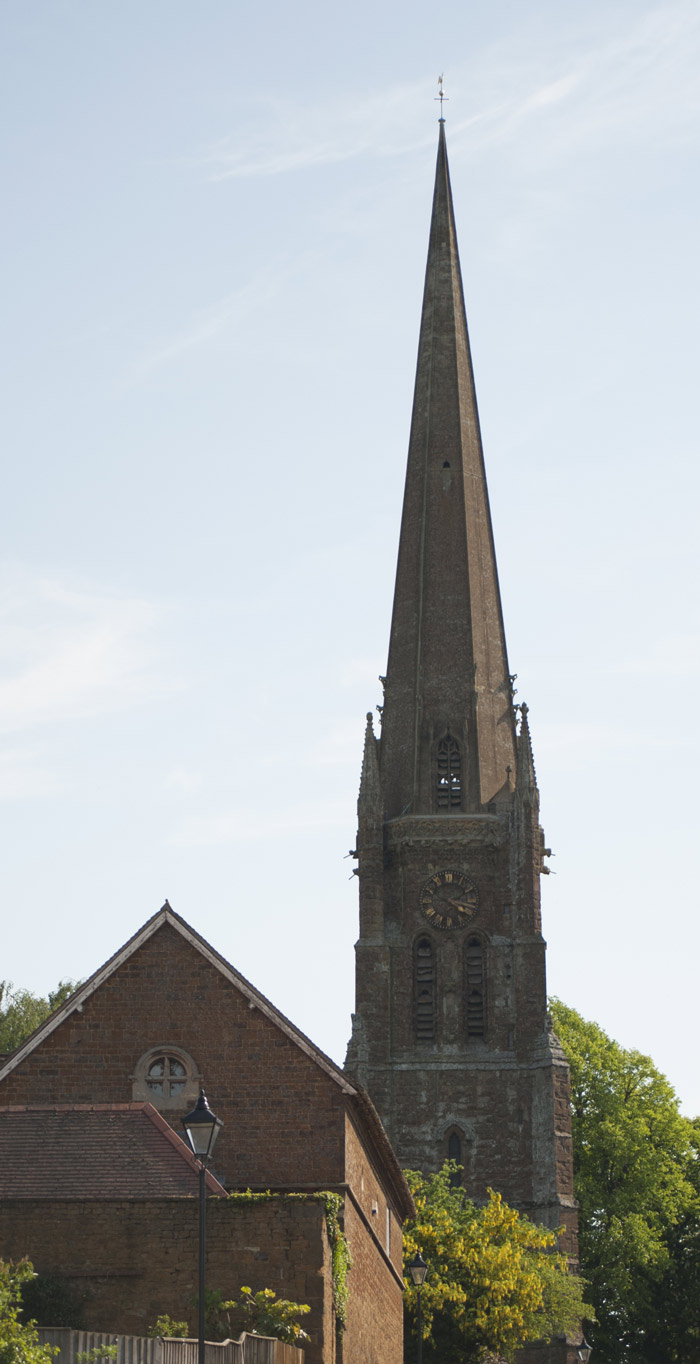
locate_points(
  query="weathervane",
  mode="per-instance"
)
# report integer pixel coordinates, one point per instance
(441, 97)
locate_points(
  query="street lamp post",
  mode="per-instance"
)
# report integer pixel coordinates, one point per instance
(418, 1269)
(584, 1351)
(201, 1129)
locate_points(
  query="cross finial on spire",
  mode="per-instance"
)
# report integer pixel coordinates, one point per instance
(441, 96)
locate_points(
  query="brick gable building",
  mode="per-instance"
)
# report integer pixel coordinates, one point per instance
(164, 1015)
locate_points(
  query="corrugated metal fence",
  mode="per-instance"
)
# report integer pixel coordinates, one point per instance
(144, 1350)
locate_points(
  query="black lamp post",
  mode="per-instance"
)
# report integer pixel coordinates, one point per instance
(201, 1129)
(585, 1351)
(418, 1269)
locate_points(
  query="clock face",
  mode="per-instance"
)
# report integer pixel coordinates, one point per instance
(449, 899)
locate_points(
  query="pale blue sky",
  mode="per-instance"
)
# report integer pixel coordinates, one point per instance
(213, 250)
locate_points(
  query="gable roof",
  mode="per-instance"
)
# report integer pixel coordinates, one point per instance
(353, 1093)
(94, 1151)
(167, 915)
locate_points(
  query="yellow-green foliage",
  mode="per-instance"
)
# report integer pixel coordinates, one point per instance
(264, 1314)
(166, 1328)
(495, 1280)
(19, 1342)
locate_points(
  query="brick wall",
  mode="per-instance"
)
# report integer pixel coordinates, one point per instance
(133, 1260)
(375, 1307)
(283, 1116)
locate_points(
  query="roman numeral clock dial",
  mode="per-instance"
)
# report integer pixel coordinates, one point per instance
(449, 899)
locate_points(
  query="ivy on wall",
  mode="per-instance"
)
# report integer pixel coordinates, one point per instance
(341, 1260)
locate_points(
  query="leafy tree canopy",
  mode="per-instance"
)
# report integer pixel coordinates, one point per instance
(636, 1178)
(495, 1280)
(18, 1340)
(21, 1011)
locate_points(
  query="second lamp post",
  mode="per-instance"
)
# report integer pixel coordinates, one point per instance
(418, 1269)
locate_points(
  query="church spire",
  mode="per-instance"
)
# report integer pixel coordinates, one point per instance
(448, 731)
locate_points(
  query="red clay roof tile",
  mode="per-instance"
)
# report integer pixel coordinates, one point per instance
(86, 1151)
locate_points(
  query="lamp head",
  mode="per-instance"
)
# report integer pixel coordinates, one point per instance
(202, 1128)
(418, 1269)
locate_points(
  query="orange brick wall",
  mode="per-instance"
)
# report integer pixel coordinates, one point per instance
(133, 1260)
(283, 1116)
(286, 1125)
(375, 1306)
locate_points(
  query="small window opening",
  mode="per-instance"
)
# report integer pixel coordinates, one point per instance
(446, 465)
(475, 988)
(424, 991)
(166, 1076)
(449, 774)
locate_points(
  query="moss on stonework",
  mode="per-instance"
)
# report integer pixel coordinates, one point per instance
(341, 1260)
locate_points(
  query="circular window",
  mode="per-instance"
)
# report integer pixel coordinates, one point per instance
(167, 1077)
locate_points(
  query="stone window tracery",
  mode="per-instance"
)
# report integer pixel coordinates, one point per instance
(449, 774)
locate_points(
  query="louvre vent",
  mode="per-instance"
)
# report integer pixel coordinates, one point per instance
(424, 991)
(475, 988)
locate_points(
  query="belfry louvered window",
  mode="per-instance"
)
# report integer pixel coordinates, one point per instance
(449, 774)
(424, 991)
(476, 1014)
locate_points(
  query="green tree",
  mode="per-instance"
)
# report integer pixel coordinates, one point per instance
(21, 1011)
(19, 1342)
(636, 1178)
(495, 1281)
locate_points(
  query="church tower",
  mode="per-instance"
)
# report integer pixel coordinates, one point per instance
(450, 1033)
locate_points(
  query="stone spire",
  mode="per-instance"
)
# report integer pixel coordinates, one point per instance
(447, 676)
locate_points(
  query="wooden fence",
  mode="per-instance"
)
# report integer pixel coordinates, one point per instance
(144, 1350)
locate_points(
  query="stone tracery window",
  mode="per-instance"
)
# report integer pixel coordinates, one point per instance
(449, 774)
(167, 1077)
